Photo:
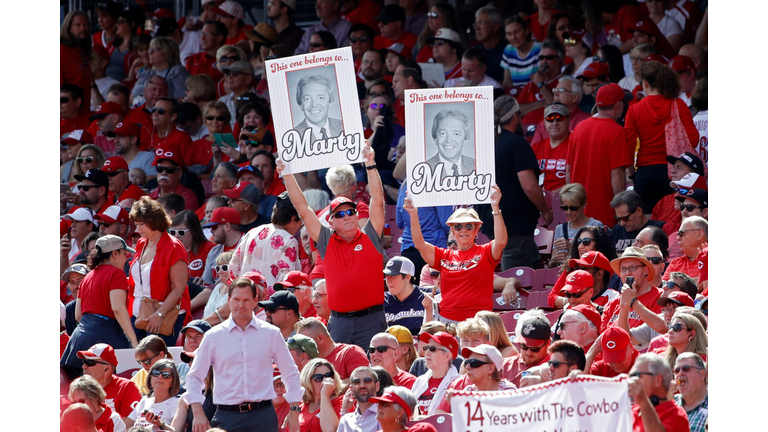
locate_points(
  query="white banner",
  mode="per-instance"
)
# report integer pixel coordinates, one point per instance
(588, 403)
(315, 110)
(450, 145)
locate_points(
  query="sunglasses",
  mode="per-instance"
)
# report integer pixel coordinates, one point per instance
(656, 260)
(525, 347)
(147, 361)
(685, 368)
(565, 207)
(432, 15)
(451, 243)
(341, 214)
(318, 378)
(381, 349)
(64, 99)
(219, 118)
(356, 381)
(110, 134)
(548, 57)
(243, 98)
(681, 233)
(234, 74)
(621, 218)
(638, 374)
(574, 295)
(273, 310)
(358, 39)
(475, 363)
(671, 284)
(164, 374)
(160, 111)
(272, 57)
(88, 159)
(554, 364)
(678, 327)
(561, 90)
(165, 169)
(459, 227)
(316, 45)
(226, 59)
(86, 187)
(689, 207)
(584, 241)
(552, 119)
(377, 106)
(432, 348)
(682, 191)
(434, 274)
(178, 233)
(92, 363)
(293, 290)
(251, 143)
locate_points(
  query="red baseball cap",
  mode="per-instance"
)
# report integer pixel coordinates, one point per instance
(588, 311)
(293, 279)
(337, 202)
(614, 342)
(581, 35)
(642, 27)
(594, 70)
(106, 109)
(128, 129)
(223, 215)
(443, 339)
(678, 297)
(656, 58)
(681, 63)
(100, 351)
(113, 214)
(591, 259)
(114, 164)
(609, 94)
(163, 13)
(391, 397)
(255, 276)
(78, 136)
(170, 154)
(578, 281)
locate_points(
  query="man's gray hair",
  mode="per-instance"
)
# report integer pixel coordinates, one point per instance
(657, 365)
(340, 178)
(404, 394)
(458, 115)
(575, 86)
(317, 199)
(578, 316)
(494, 15)
(696, 358)
(699, 222)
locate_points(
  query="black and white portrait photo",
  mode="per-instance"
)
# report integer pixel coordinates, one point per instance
(315, 102)
(450, 137)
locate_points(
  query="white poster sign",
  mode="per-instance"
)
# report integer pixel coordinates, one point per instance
(588, 403)
(433, 74)
(450, 145)
(315, 110)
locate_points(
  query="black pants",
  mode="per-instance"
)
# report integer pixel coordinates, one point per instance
(413, 254)
(652, 184)
(263, 419)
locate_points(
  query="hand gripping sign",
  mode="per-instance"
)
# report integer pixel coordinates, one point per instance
(315, 110)
(450, 145)
(586, 403)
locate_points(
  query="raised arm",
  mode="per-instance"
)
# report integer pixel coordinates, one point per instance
(377, 191)
(299, 202)
(499, 228)
(426, 250)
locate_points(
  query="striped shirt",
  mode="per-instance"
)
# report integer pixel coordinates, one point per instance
(521, 69)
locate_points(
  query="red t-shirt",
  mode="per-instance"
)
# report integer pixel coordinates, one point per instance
(105, 423)
(611, 311)
(175, 139)
(79, 121)
(467, 280)
(425, 54)
(310, 421)
(454, 72)
(703, 264)
(404, 379)
(407, 39)
(365, 13)
(539, 31)
(646, 121)
(400, 112)
(672, 416)
(276, 187)
(203, 64)
(76, 69)
(190, 199)
(345, 358)
(531, 93)
(96, 286)
(64, 340)
(132, 191)
(683, 264)
(552, 162)
(141, 116)
(122, 395)
(199, 153)
(597, 146)
(603, 369)
(665, 211)
(512, 367)
(197, 261)
(425, 400)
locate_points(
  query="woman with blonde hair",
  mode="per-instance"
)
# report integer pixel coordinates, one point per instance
(201, 90)
(89, 156)
(165, 61)
(321, 403)
(686, 334)
(573, 201)
(225, 56)
(498, 335)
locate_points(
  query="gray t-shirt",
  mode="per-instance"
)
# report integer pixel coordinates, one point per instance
(572, 231)
(144, 161)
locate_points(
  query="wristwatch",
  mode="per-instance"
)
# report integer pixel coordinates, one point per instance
(632, 303)
(540, 85)
(296, 408)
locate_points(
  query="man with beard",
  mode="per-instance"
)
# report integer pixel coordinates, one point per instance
(360, 40)
(225, 228)
(371, 68)
(127, 143)
(282, 310)
(119, 183)
(288, 33)
(364, 385)
(75, 53)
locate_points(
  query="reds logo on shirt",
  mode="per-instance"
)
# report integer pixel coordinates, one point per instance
(196, 265)
(358, 248)
(701, 265)
(460, 265)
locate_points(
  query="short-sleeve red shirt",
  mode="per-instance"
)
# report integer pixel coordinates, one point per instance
(96, 286)
(530, 94)
(196, 264)
(672, 416)
(345, 358)
(203, 64)
(611, 311)
(122, 395)
(467, 280)
(552, 162)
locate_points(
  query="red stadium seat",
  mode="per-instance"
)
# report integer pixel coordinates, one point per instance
(499, 305)
(543, 238)
(510, 320)
(544, 279)
(523, 274)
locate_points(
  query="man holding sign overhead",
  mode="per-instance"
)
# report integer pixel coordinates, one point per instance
(353, 258)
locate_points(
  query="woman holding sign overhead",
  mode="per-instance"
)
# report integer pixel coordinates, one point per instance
(466, 273)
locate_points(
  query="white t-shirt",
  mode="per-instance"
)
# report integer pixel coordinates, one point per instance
(141, 284)
(669, 27)
(166, 410)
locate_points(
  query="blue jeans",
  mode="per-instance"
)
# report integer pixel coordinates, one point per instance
(263, 419)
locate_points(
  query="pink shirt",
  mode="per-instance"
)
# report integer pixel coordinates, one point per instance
(242, 364)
